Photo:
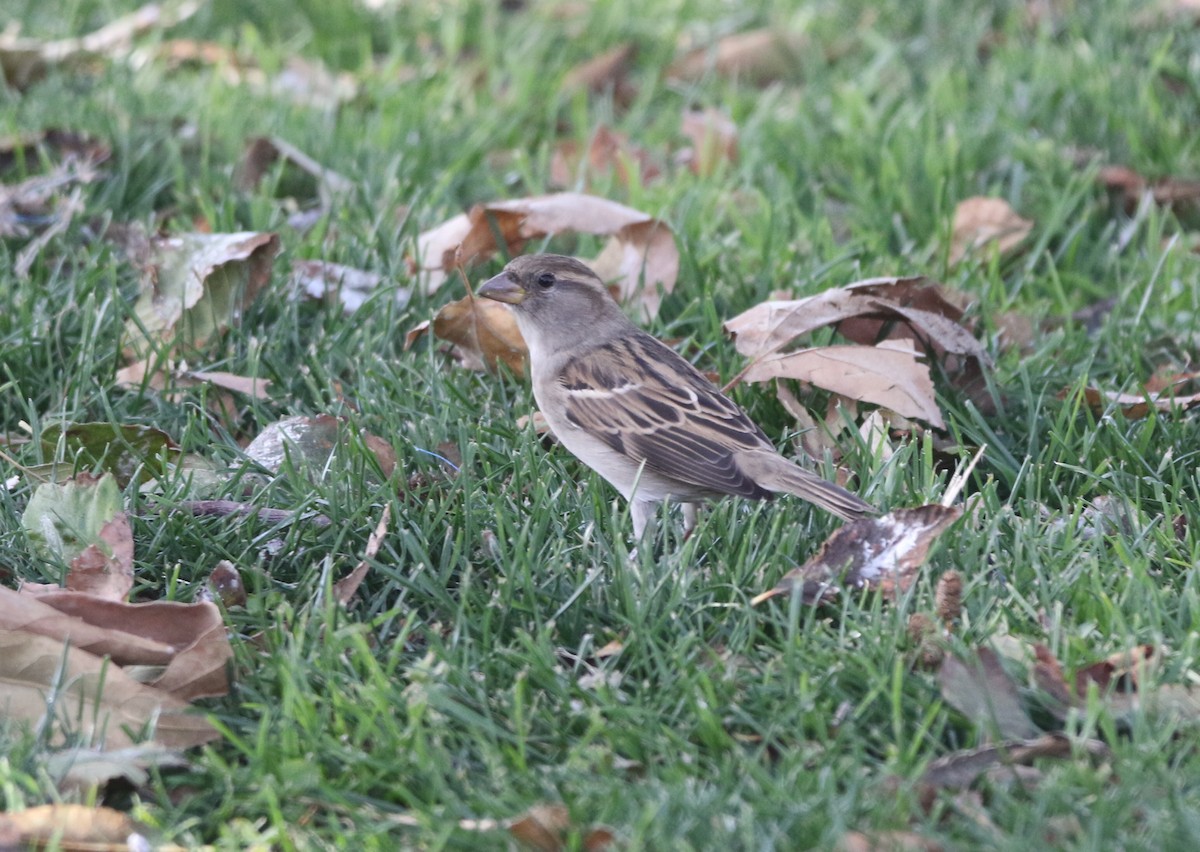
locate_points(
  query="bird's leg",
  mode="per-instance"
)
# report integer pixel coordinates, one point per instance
(689, 520)
(643, 514)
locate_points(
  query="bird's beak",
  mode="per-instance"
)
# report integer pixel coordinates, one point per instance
(502, 289)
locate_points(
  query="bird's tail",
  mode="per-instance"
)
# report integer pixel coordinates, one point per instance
(776, 473)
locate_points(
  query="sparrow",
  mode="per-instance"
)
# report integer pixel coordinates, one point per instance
(633, 410)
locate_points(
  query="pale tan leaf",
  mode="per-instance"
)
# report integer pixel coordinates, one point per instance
(92, 697)
(25, 611)
(981, 222)
(188, 639)
(74, 827)
(895, 380)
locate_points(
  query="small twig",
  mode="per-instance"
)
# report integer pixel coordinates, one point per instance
(224, 508)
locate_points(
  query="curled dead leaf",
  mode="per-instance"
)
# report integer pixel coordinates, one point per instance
(484, 333)
(894, 379)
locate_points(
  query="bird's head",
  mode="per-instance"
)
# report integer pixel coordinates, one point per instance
(556, 298)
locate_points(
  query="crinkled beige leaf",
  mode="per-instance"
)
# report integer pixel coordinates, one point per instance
(865, 312)
(75, 827)
(982, 222)
(891, 378)
(120, 638)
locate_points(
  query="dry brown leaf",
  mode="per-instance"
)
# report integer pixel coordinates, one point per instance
(544, 828)
(262, 152)
(874, 553)
(1136, 406)
(983, 692)
(251, 386)
(23, 611)
(188, 639)
(866, 312)
(93, 697)
(607, 152)
(757, 56)
(1123, 681)
(982, 222)
(643, 246)
(484, 332)
(714, 139)
(1130, 187)
(896, 380)
(346, 588)
(105, 569)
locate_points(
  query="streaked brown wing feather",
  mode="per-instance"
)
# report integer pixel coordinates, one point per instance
(648, 403)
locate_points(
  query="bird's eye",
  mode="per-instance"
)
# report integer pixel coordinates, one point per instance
(546, 280)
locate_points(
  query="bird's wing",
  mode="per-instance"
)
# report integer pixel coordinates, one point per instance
(651, 405)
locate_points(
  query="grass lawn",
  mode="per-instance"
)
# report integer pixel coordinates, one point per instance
(466, 682)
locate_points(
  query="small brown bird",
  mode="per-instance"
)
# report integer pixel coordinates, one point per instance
(632, 409)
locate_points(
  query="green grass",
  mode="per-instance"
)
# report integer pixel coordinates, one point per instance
(463, 684)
